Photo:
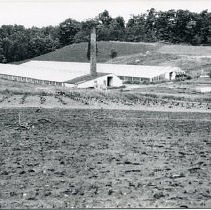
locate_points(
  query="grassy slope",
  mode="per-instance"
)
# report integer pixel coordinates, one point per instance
(190, 58)
(77, 52)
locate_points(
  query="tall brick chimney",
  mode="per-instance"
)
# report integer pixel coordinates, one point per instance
(93, 52)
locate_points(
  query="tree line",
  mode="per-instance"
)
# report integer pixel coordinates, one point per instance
(173, 26)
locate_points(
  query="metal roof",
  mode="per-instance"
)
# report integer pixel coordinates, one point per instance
(123, 70)
(40, 73)
(85, 78)
(63, 71)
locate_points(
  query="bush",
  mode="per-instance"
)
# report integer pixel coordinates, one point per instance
(188, 77)
(113, 54)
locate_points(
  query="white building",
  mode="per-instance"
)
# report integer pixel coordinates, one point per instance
(59, 74)
(124, 72)
(101, 81)
(72, 74)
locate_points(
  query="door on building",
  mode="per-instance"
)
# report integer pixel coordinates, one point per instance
(109, 81)
(170, 75)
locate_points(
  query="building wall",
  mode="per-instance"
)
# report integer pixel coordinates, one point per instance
(133, 79)
(167, 76)
(101, 82)
(69, 85)
(30, 80)
(170, 76)
(161, 77)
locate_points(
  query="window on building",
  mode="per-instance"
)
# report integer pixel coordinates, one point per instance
(137, 79)
(128, 79)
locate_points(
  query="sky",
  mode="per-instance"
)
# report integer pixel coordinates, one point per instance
(52, 12)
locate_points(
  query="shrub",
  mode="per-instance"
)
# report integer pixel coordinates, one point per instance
(113, 54)
(188, 77)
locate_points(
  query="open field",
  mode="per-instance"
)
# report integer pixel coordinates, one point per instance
(178, 96)
(89, 148)
(104, 158)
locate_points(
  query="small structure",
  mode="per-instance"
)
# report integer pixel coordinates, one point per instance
(100, 81)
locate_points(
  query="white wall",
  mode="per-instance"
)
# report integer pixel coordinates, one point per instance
(69, 85)
(101, 82)
(173, 75)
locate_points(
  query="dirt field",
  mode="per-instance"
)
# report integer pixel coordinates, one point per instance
(104, 158)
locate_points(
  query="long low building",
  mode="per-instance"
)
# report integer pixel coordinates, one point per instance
(72, 74)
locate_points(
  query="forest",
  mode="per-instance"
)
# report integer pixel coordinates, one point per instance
(173, 26)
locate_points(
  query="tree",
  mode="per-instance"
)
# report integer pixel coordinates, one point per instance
(150, 24)
(165, 23)
(84, 34)
(67, 30)
(2, 57)
(103, 33)
(39, 46)
(117, 29)
(113, 53)
(104, 18)
(135, 30)
(7, 46)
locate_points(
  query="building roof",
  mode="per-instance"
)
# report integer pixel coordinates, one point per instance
(40, 73)
(67, 71)
(117, 69)
(85, 78)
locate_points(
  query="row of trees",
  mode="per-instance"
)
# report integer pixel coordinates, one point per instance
(18, 43)
(181, 26)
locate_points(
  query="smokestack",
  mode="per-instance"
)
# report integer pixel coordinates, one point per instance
(93, 51)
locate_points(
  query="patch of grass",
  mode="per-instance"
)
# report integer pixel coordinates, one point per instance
(42, 99)
(186, 50)
(150, 95)
(77, 52)
(23, 98)
(60, 99)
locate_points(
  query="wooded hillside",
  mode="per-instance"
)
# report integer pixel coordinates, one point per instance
(174, 26)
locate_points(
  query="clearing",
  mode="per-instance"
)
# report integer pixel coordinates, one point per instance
(173, 96)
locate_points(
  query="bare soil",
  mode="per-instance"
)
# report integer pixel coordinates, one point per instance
(104, 158)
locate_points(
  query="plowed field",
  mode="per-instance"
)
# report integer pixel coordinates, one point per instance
(104, 158)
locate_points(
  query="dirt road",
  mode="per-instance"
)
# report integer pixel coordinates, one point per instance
(104, 158)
